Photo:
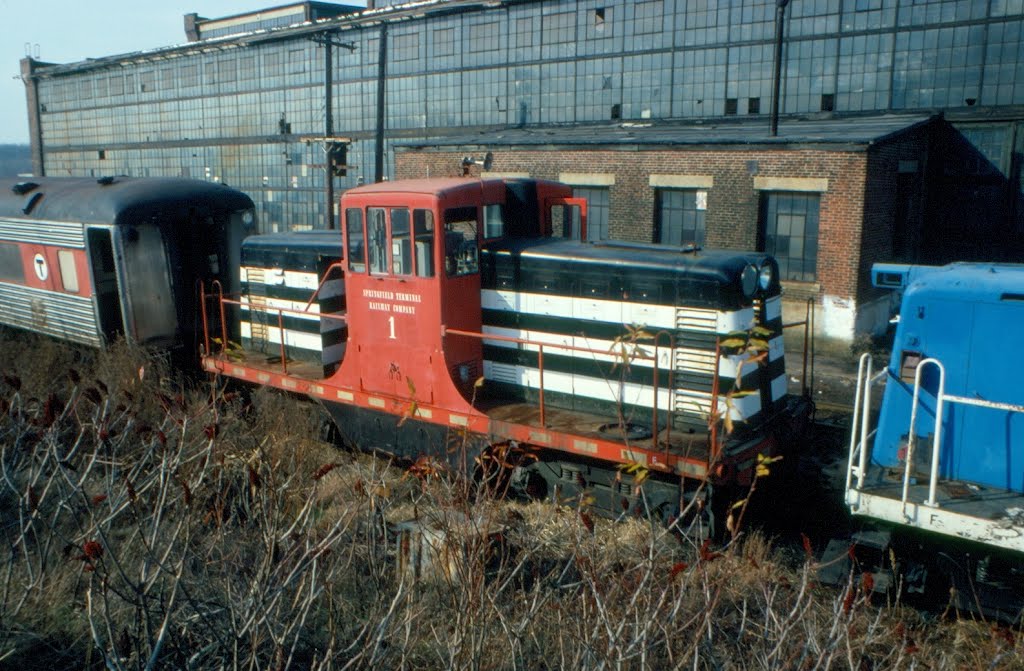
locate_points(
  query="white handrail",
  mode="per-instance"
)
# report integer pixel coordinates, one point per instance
(865, 360)
(941, 397)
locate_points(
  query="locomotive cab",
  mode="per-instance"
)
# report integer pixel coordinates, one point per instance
(413, 279)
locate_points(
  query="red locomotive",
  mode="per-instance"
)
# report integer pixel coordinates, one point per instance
(475, 319)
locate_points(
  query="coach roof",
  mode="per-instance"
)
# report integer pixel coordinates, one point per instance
(115, 200)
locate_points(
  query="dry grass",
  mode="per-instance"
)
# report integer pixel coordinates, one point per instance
(151, 525)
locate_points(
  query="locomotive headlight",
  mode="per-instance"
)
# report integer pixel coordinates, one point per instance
(247, 218)
(765, 277)
(748, 281)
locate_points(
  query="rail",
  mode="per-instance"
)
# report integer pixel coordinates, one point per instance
(446, 331)
(222, 301)
(807, 384)
(941, 398)
(858, 452)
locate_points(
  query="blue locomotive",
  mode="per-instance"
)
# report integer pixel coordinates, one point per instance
(945, 461)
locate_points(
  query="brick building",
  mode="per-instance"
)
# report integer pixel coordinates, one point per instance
(827, 198)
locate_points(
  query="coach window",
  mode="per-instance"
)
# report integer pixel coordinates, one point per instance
(68, 271)
(356, 247)
(377, 232)
(11, 269)
(401, 245)
(423, 230)
(460, 230)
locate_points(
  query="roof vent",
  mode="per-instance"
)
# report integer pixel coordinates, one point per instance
(32, 202)
(21, 188)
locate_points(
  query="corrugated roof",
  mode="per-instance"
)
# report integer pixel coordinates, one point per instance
(848, 131)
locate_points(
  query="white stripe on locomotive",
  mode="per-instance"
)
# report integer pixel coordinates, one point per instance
(692, 402)
(654, 317)
(294, 279)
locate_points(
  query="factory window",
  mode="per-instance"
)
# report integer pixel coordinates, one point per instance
(406, 47)
(296, 61)
(273, 63)
(558, 28)
(648, 17)
(68, 270)
(483, 37)
(753, 106)
(597, 212)
(788, 230)
(228, 70)
(598, 19)
(444, 42)
(189, 76)
(731, 106)
(116, 85)
(680, 216)
(356, 248)
(11, 269)
(828, 102)
(147, 81)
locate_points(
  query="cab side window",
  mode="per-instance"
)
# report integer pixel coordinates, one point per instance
(460, 250)
(423, 231)
(377, 232)
(356, 244)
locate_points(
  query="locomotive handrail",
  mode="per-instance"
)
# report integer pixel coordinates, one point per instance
(445, 330)
(257, 308)
(327, 273)
(866, 379)
(941, 398)
(253, 307)
(936, 436)
(808, 324)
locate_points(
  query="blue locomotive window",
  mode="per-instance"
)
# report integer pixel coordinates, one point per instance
(11, 269)
(377, 234)
(460, 252)
(356, 244)
(423, 231)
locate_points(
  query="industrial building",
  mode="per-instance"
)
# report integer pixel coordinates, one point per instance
(897, 132)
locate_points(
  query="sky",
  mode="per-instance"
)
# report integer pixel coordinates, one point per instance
(67, 31)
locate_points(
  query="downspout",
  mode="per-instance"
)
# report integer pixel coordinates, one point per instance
(382, 71)
(780, 14)
(35, 128)
(329, 129)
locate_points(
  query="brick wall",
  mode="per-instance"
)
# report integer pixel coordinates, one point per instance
(733, 202)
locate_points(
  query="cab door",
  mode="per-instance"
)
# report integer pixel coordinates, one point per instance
(393, 302)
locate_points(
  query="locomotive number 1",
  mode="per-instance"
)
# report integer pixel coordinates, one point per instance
(391, 323)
